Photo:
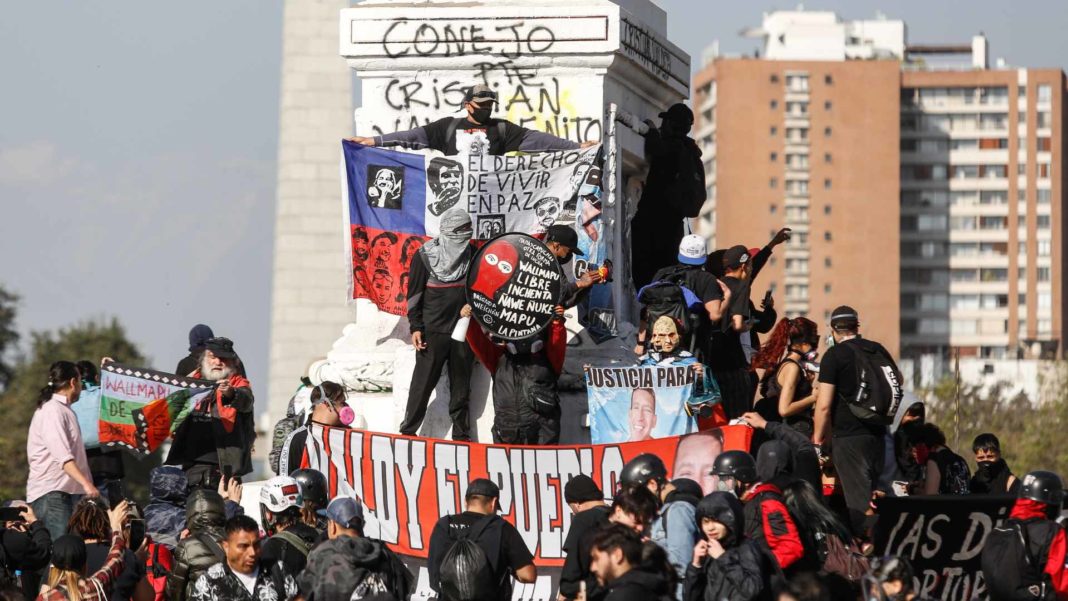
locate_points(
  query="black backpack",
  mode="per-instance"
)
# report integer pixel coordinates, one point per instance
(1014, 564)
(669, 296)
(465, 573)
(879, 385)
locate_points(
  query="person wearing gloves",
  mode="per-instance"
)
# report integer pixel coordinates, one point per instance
(725, 565)
(436, 293)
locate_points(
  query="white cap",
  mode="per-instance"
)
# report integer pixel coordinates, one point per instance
(692, 250)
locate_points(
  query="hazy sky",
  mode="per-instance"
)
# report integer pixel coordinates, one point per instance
(138, 145)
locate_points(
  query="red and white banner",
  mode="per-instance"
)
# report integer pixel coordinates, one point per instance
(407, 483)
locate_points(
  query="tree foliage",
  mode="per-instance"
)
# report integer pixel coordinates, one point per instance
(1031, 434)
(9, 336)
(91, 340)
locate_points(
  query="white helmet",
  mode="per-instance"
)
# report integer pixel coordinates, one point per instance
(281, 493)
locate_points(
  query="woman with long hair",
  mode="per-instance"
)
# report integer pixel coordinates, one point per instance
(91, 523)
(786, 391)
(66, 577)
(59, 469)
(828, 543)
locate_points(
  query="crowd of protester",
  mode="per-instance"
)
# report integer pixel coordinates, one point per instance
(790, 519)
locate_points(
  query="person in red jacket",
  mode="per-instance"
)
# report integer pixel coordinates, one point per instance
(766, 518)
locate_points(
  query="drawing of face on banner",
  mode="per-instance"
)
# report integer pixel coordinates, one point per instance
(547, 209)
(380, 266)
(638, 403)
(384, 186)
(514, 286)
(445, 178)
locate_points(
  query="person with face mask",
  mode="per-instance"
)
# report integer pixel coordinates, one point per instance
(789, 360)
(674, 190)
(436, 294)
(562, 241)
(328, 409)
(478, 133)
(992, 475)
(664, 348)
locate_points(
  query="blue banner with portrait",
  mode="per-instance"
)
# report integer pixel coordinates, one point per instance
(639, 403)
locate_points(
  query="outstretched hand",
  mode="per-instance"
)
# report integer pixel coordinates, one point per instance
(362, 140)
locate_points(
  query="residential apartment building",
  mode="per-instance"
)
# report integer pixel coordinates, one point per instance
(926, 194)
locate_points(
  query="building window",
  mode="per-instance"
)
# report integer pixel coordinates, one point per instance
(827, 79)
(1043, 274)
(826, 209)
(827, 184)
(773, 78)
(1043, 120)
(827, 288)
(826, 105)
(1043, 196)
(827, 262)
(774, 130)
(1021, 169)
(1043, 170)
(1021, 195)
(773, 182)
(1045, 93)
(774, 104)
(1044, 247)
(827, 236)
(1043, 222)
(827, 131)
(772, 208)
(827, 157)
(797, 83)
(774, 156)
(1042, 144)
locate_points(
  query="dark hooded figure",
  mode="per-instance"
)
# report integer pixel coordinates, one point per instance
(766, 517)
(198, 335)
(675, 529)
(726, 565)
(206, 520)
(347, 566)
(165, 512)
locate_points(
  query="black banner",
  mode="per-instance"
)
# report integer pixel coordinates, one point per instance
(942, 537)
(513, 286)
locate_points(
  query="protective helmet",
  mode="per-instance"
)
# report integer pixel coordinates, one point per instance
(1044, 487)
(642, 469)
(312, 486)
(280, 493)
(736, 464)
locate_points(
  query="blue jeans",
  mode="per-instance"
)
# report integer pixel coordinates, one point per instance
(54, 510)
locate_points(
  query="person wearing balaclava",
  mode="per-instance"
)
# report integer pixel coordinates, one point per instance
(477, 133)
(436, 293)
(674, 190)
(992, 475)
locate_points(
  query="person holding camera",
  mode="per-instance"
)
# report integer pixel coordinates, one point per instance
(67, 576)
(90, 522)
(25, 546)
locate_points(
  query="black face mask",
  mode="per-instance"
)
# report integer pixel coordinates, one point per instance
(989, 468)
(564, 260)
(482, 115)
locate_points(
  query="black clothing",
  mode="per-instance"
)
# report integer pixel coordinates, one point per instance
(354, 568)
(953, 471)
(657, 227)
(220, 584)
(515, 419)
(770, 390)
(437, 134)
(705, 287)
(839, 368)
(993, 480)
(276, 549)
(202, 438)
(858, 460)
(725, 351)
(429, 363)
(434, 308)
(104, 465)
(201, 549)
(27, 551)
(806, 464)
(735, 387)
(132, 570)
(639, 585)
(502, 543)
(188, 364)
(576, 546)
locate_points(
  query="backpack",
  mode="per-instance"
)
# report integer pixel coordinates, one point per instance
(294, 541)
(836, 557)
(465, 573)
(687, 193)
(285, 426)
(668, 296)
(157, 567)
(879, 390)
(1009, 565)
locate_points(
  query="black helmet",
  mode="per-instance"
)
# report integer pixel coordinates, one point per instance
(313, 486)
(736, 464)
(1044, 487)
(642, 469)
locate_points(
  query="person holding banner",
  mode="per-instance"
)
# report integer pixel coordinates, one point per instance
(218, 435)
(436, 294)
(664, 349)
(59, 470)
(479, 133)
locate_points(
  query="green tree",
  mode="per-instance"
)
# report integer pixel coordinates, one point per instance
(91, 340)
(9, 336)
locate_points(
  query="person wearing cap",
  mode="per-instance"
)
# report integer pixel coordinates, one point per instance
(478, 133)
(726, 355)
(328, 402)
(858, 447)
(674, 190)
(563, 243)
(349, 565)
(437, 291)
(1032, 525)
(589, 513)
(504, 546)
(217, 436)
(689, 273)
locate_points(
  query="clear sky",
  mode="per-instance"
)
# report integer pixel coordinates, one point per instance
(138, 143)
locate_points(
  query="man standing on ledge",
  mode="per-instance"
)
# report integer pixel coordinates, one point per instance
(479, 133)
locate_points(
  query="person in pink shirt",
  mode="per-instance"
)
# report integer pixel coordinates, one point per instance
(59, 471)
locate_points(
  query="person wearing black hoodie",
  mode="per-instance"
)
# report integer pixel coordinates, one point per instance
(726, 565)
(992, 475)
(616, 555)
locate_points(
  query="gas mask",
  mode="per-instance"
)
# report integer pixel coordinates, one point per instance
(345, 415)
